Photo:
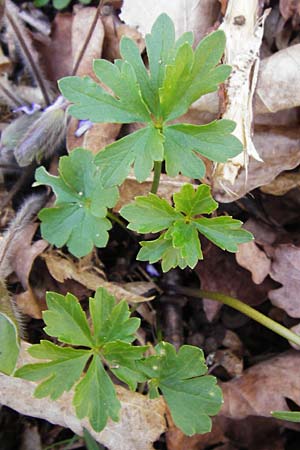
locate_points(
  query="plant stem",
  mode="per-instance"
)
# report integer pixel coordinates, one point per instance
(156, 178)
(247, 310)
(116, 219)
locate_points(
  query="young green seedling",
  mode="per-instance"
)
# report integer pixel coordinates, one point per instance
(108, 343)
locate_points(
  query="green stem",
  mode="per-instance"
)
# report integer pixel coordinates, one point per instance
(247, 310)
(156, 178)
(116, 219)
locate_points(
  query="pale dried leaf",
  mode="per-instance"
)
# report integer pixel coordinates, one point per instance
(141, 420)
(255, 260)
(278, 84)
(261, 389)
(62, 268)
(191, 15)
(286, 270)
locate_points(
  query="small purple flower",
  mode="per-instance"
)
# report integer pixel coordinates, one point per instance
(29, 109)
(83, 126)
(150, 269)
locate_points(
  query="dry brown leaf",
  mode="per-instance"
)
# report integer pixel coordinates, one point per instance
(288, 8)
(25, 252)
(220, 272)
(255, 260)
(263, 388)
(286, 270)
(141, 420)
(132, 188)
(279, 149)
(192, 15)
(282, 184)
(29, 305)
(62, 268)
(56, 52)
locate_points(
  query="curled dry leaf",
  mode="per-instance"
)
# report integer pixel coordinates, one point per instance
(261, 389)
(62, 268)
(282, 184)
(279, 149)
(286, 270)
(141, 420)
(255, 260)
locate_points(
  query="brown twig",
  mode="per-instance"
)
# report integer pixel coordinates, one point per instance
(87, 39)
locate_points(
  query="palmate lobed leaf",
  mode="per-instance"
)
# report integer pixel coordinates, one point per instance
(107, 340)
(180, 245)
(191, 395)
(177, 76)
(59, 374)
(78, 218)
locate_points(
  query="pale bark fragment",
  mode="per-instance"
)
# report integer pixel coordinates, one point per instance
(244, 32)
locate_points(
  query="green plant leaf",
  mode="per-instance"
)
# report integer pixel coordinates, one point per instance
(191, 202)
(60, 4)
(225, 232)
(66, 320)
(149, 214)
(161, 249)
(191, 395)
(183, 141)
(185, 239)
(78, 216)
(90, 442)
(9, 346)
(290, 416)
(180, 245)
(111, 322)
(193, 74)
(92, 102)
(122, 358)
(59, 374)
(107, 340)
(141, 148)
(95, 396)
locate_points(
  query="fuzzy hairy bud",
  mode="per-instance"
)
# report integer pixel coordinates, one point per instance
(44, 136)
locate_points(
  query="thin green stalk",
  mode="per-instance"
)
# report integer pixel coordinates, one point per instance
(247, 310)
(116, 219)
(156, 178)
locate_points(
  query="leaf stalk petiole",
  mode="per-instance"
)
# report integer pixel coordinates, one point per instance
(245, 309)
